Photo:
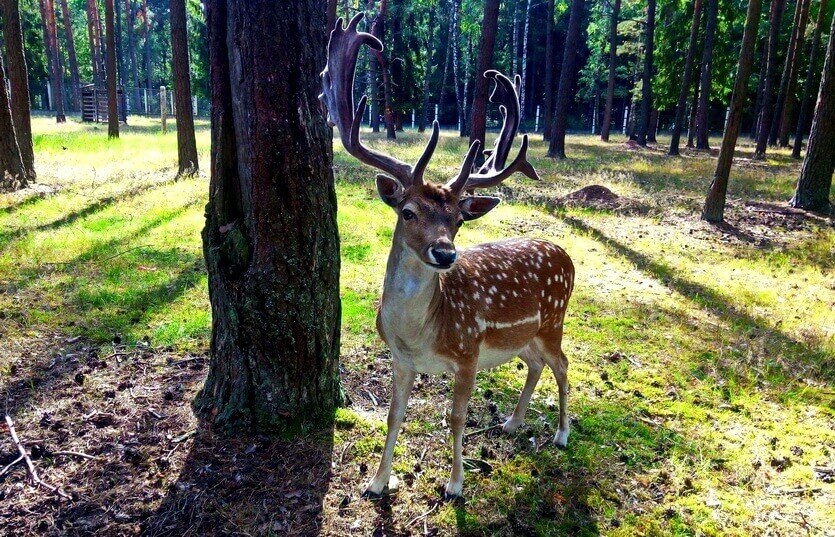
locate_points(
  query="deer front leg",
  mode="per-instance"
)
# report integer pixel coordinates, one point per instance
(464, 382)
(402, 380)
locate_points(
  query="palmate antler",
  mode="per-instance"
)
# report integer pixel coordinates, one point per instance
(338, 101)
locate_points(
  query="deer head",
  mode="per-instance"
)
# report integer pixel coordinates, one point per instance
(428, 214)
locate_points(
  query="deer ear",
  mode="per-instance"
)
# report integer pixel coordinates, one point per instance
(477, 206)
(390, 190)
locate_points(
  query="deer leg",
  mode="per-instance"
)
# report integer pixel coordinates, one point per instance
(402, 380)
(556, 360)
(464, 382)
(535, 364)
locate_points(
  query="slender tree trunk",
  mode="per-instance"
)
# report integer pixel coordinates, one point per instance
(134, 64)
(550, 72)
(556, 148)
(514, 42)
(633, 103)
(703, 110)
(424, 105)
(19, 84)
(789, 100)
(649, 49)
(447, 59)
(653, 126)
(774, 19)
(112, 102)
(54, 50)
(270, 242)
(146, 35)
(373, 77)
(523, 88)
(91, 39)
(12, 171)
(815, 179)
(75, 79)
(478, 123)
(455, 47)
(468, 54)
(186, 145)
(691, 128)
(613, 59)
(378, 29)
(805, 114)
(785, 78)
(681, 107)
(120, 57)
(760, 89)
(714, 208)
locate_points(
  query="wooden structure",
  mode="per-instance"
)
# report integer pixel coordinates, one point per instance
(94, 103)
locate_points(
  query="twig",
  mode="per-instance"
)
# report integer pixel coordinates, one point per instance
(795, 491)
(33, 472)
(373, 399)
(185, 436)
(76, 454)
(479, 431)
(155, 414)
(421, 516)
(8, 466)
(345, 450)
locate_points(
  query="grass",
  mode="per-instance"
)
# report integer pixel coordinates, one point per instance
(701, 356)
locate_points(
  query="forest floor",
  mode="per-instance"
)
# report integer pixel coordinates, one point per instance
(702, 358)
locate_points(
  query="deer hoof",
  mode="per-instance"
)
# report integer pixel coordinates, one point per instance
(391, 488)
(561, 438)
(510, 426)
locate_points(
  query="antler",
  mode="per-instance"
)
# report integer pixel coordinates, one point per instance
(493, 171)
(338, 102)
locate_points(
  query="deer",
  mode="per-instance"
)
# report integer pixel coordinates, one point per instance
(445, 310)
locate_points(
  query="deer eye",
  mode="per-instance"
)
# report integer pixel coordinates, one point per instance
(408, 214)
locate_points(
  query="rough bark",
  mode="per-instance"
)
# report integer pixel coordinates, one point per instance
(646, 90)
(613, 58)
(550, 71)
(523, 88)
(331, 16)
(714, 207)
(789, 99)
(423, 118)
(146, 35)
(681, 107)
(270, 241)
(12, 171)
(815, 179)
(75, 79)
(186, 145)
(56, 78)
(478, 121)
(805, 115)
(19, 85)
(703, 110)
(556, 147)
(110, 38)
(766, 113)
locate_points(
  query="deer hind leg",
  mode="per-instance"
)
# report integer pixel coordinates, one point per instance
(532, 356)
(557, 361)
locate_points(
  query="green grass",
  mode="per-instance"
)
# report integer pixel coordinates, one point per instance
(720, 345)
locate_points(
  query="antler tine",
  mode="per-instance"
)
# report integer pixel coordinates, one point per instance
(338, 97)
(493, 178)
(423, 161)
(457, 185)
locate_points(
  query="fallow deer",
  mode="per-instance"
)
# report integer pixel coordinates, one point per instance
(445, 310)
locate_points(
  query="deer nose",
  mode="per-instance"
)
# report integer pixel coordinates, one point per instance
(443, 254)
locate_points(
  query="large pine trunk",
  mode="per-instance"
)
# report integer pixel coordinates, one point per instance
(714, 208)
(703, 109)
(788, 81)
(478, 121)
(19, 84)
(809, 86)
(646, 89)
(766, 113)
(75, 79)
(12, 171)
(681, 107)
(556, 147)
(550, 71)
(186, 145)
(110, 37)
(613, 56)
(270, 242)
(56, 78)
(815, 179)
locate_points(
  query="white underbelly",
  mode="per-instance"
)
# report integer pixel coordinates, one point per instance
(489, 357)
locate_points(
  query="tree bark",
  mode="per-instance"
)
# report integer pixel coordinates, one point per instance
(681, 107)
(75, 79)
(556, 147)
(378, 29)
(613, 58)
(788, 101)
(130, 15)
(447, 59)
(523, 88)
(146, 34)
(703, 110)
(805, 114)
(455, 47)
(186, 145)
(646, 90)
(270, 242)
(331, 16)
(424, 104)
(766, 114)
(94, 36)
(112, 102)
(714, 208)
(120, 58)
(760, 90)
(12, 171)
(478, 121)
(56, 78)
(550, 72)
(815, 179)
(19, 84)
(691, 128)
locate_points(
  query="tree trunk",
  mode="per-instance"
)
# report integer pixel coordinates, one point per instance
(120, 58)
(646, 90)
(455, 47)
(556, 148)
(186, 145)
(331, 16)
(691, 128)
(523, 88)
(134, 65)
(468, 54)
(815, 179)
(703, 110)
(714, 208)
(447, 59)
(550, 72)
(19, 84)
(766, 115)
(378, 29)
(760, 90)
(424, 104)
(613, 58)
(514, 42)
(146, 35)
(653, 126)
(56, 78)
(94, 35)
(75, 79)
(790, 98)
(681, 107)
(478, 121)
(785, 78)
(12, 171)
(809, 84)
(270, 242)
(112, 103)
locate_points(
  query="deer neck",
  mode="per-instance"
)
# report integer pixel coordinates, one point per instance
(411, 295)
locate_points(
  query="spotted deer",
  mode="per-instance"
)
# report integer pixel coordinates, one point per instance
(445, 310)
